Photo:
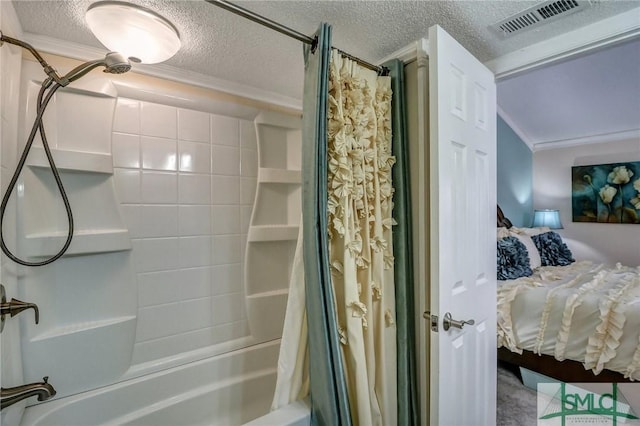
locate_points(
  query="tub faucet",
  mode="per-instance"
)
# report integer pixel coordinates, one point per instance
(9, 396)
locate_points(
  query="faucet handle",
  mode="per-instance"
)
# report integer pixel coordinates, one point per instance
(14, 307)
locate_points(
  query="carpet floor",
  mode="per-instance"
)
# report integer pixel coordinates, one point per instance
(517, 404)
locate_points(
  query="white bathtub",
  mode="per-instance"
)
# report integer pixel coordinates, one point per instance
(229, 389)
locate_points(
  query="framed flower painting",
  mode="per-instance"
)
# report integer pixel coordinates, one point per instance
(606, 193)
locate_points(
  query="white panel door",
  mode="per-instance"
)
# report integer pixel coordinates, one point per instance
(463, 245)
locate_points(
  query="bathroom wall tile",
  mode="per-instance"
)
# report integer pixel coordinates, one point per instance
(226, 249)
(194, 189)
(158, 120)
(173, 318)
(159, 187)
(225, 130)
(245, 218)
(226, 279)
(131, 217)
(194, 220)
(225, 220)
(228, 308)
(159, 153)
(249, 163)
(127, 184)
(194, 251)
(195, 282)
(194, 157)
(127, 116)
(176, 344)
(193, 125)
(125, 150)
(230, 331)
(225, 190)
(158, 221)
(225, 160)
(155, 254)
(248, 190)
(156, 288)
(248, 139)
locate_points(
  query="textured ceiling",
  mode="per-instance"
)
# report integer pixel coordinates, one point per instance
(591, 95)
(223, 45)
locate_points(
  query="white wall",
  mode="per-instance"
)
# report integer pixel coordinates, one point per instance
(608, 243)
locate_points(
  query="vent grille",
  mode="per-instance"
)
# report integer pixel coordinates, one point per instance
(538, 15)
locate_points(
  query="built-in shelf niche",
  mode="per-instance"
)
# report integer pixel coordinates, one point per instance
(275, 221)
(87, 298)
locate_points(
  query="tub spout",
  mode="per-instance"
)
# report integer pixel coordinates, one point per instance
(10, 396)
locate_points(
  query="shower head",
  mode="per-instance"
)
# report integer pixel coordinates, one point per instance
(113, 63)
(116, 63)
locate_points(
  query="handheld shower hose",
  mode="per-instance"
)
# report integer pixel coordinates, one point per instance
(114, 63)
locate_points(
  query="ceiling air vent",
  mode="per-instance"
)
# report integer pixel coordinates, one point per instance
(538, 15)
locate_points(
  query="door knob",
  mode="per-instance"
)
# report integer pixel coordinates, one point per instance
(448, 322)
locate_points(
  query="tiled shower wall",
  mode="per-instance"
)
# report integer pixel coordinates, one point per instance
(186, 182)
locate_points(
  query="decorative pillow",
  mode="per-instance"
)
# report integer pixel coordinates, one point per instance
(532, 250)
(513, 259)
(553, 251)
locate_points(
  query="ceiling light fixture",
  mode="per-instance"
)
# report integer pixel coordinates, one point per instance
(135, 31)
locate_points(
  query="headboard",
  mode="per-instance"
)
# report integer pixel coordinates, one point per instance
(502, 220)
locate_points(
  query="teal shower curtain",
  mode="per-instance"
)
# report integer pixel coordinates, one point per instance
(329, 398)
(408, 408)
(328, 388)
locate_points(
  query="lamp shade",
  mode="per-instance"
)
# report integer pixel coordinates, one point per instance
(549, 218)
(134, 31)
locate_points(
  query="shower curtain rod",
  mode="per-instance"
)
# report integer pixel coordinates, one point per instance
(224, 4)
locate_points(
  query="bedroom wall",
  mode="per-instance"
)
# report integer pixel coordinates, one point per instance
(514, 171)
(608, 243)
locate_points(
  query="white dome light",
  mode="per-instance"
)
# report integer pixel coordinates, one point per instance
(137, 32)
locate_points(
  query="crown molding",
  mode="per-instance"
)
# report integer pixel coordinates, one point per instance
(609, 31)
(86, 53)
(516, 129)
(605, 137)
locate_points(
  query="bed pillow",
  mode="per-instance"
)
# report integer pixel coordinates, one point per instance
(513, 259)
(530, 231)
(532, 250)
(502, 232)
(553, 251)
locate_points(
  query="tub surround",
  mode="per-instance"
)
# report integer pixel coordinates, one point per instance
(163, 186)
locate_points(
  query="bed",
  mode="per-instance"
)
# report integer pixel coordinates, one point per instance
(575, 321)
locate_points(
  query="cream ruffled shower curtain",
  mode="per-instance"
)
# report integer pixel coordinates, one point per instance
(360, 222)
(361, 254)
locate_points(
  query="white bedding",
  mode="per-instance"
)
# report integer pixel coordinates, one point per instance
(585, 312)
